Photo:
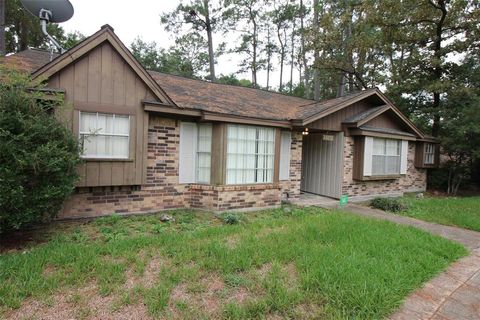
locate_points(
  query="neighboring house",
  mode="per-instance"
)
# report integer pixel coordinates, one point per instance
(154, 141)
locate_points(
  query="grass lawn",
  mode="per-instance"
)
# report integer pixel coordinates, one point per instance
(287, 262)
(461, 212)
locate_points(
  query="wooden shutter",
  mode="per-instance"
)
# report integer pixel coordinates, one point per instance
(367, 156)
(188, 152)
(404, 157)
(285, 142)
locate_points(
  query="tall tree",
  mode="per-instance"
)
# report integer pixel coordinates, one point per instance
(201, 15)
(282, 17)
(185, 58)
(2, 28)
(303, 50)
(316, 50)
(246, 16)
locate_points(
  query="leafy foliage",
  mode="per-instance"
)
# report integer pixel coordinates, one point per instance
(38, 156)
(389, 204)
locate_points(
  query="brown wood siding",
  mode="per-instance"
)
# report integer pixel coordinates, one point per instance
(333, 122)
(388, 120)
(102, 81)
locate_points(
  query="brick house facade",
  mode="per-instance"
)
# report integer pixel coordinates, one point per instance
(100, 79)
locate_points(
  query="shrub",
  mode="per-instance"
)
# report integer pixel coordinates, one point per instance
(388, 204)
(231, 218)
(38, 155)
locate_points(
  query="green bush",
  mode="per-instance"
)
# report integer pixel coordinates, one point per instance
(38, 155)
(388, 204)
(230, 218)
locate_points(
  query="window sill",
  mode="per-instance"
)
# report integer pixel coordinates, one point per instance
(235, 187)
(106, 160)
(386, 177)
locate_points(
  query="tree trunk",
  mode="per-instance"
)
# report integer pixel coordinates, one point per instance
(292, 62)
(438, 72)
(269, 56)
(2, 28)
(282, 57)
(254, 57)
(316, 53)
(306, 71)
(211, 55)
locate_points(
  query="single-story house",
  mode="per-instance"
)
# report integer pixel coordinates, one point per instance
(153, 141)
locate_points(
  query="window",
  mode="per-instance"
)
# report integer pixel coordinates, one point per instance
(195, 152)
(285, 142)
(204, 147)
(429, 153)
(104, 135)
(250, 154)
(386, 157)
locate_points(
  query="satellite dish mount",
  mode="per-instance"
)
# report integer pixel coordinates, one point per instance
(45, 16)
(50, 11)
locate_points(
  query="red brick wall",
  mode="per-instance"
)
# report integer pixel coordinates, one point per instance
(415, 180)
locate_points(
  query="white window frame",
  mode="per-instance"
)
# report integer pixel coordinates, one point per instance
(429, 154)
(369, 154)
(267, 167)
(82, 135)
(386, 156)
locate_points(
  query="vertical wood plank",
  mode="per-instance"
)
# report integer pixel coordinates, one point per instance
(105, 173)
(118, 79)
(81, 80)
(93, 172)
(106, 94)
(94, 85)
(117, 173)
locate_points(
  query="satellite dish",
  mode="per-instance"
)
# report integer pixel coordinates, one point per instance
(52, 10)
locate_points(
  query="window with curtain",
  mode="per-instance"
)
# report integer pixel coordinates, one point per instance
(250, 154)
(104, 135)
(386, 156)
(429, 153)
(204, 148)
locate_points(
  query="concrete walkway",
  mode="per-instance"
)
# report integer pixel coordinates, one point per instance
(453, 294)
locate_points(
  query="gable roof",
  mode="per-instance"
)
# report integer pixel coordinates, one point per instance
(204, 97)
(104, 34)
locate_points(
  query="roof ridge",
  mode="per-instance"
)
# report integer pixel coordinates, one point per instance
(231, 85)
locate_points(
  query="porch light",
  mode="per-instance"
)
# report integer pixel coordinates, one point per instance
(305, 132)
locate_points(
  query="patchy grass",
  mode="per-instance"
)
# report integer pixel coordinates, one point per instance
(453, 211)
(287, 262)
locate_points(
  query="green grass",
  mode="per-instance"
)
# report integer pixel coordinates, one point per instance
(298, 263)
(453, 211)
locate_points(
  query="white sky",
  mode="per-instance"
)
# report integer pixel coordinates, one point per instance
(142, 18)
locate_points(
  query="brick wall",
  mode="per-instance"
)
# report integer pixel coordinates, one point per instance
(291, 188)
(162, 190)
(415, 180)
(239, 197)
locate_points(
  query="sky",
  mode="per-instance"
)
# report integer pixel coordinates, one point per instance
(142, 18)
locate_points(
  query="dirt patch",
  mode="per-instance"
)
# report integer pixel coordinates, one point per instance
(83, 303)
(232, 241)
(239, 295)
(49, 271)
(208, 301)
(149, 276)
